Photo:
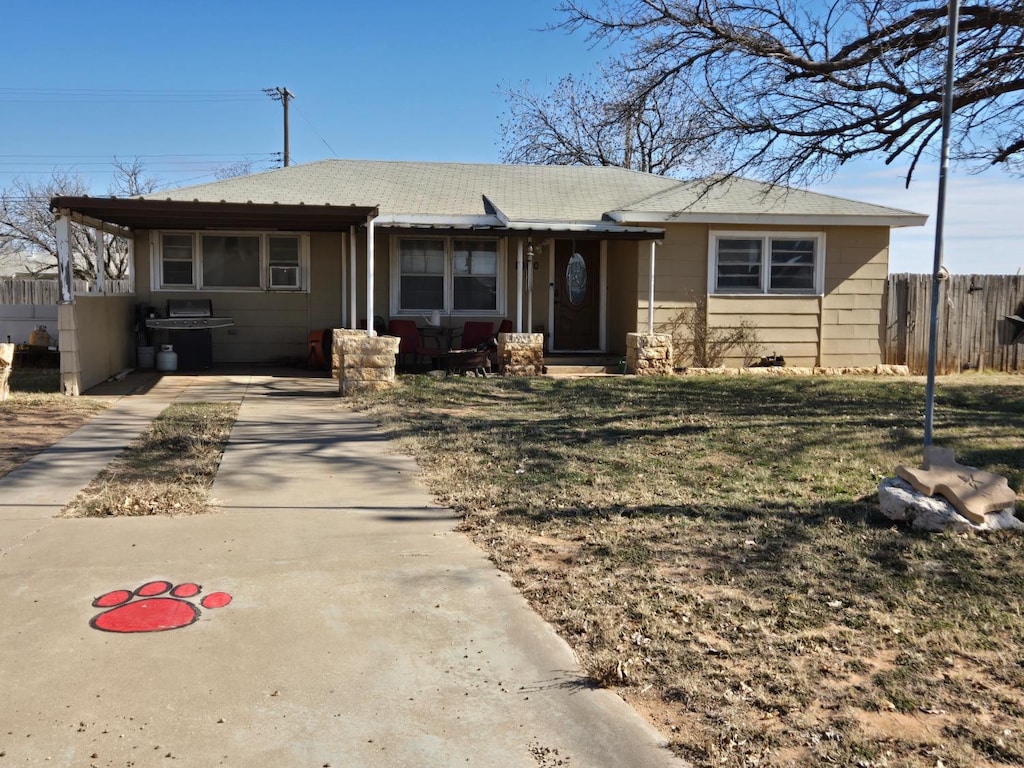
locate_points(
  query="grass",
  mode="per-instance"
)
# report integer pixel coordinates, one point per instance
(713, 550)
(167, 471)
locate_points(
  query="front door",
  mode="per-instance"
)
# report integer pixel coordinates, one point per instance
(577, 299)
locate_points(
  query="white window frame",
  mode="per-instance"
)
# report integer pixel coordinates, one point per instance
(766, 236)
(448, 309)
(157, 283)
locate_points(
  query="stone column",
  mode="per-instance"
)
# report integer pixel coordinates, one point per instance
(521, 354)
(365, 363)
(649, 354)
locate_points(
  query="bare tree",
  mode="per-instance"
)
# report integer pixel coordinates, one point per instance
(130, 179)
(28, 227)
(610, 121)
(790, 90)
(231, 170)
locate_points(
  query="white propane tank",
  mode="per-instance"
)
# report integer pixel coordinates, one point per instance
(166, 359)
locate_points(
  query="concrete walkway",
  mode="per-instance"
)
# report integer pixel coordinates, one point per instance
(362, 630)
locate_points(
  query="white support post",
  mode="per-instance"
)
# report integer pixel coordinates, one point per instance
(369, 276)
(344, 282)
(64, 266)
(529, 289)
(353, 320)
(101, 262)
(650, 291)
(131, 264)
(519, 287)
(603, 303)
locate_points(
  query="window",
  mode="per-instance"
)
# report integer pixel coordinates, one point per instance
(422, 274)
(453, 275)
(176, 263)
(285, 258)
(231, 261)
(475, 275)
(752, 262)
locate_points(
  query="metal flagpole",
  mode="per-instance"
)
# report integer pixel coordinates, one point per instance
(940, 215)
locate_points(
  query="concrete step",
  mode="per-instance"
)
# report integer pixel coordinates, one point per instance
(593, 366)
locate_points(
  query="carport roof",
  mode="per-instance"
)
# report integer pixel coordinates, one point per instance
(151, 213)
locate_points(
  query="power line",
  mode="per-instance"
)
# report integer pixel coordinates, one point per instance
(55, 95)
(140, 156)
(312, 128)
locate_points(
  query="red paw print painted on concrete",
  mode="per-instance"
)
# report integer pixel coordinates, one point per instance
(153, 612)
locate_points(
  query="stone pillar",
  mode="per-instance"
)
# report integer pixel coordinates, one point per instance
(521, 354)
(337, 334)
(649, 354)
(365, 363)
(6, 364)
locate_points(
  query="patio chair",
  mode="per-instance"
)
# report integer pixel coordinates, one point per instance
(476, 333)
(410, 342)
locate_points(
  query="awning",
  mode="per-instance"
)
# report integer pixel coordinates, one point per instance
(497, 225)
(136, 213)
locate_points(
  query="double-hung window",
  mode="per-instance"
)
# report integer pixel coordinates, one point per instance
(231, 261)
(451, 274)
(766, 263)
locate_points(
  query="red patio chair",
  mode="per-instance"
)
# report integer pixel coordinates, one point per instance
(475, 333)
(411, 343)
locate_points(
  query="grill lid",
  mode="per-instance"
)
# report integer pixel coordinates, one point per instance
(189, 308)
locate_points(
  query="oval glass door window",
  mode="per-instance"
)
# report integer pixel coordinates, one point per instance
(576, 280)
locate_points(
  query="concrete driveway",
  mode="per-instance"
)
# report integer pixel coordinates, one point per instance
(361, 629)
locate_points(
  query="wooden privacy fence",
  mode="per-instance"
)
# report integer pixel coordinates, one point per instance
(973, 332)
(15, 290)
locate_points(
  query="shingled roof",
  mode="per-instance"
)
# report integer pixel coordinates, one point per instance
(524, 193)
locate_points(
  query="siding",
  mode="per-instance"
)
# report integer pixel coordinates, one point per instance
(840, 328)
(97, 337)
(786, 325)
(856, 272)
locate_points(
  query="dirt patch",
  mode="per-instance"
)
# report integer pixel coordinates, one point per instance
(29, 424)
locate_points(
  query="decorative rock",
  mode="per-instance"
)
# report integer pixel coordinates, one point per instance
(972, 491)
(898, 500)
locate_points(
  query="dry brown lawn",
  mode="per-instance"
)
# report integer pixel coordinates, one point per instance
(713, 551)
(35, 416)
(166, 471)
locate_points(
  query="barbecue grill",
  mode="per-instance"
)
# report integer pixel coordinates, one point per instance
(188, 325)
(189, 314)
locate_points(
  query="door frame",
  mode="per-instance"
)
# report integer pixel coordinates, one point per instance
(602, 294)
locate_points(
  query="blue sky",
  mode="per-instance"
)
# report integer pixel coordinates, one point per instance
(178, 85)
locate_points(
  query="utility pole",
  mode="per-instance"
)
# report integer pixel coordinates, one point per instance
(282, 95)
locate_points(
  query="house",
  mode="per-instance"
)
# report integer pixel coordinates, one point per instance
(583, 255)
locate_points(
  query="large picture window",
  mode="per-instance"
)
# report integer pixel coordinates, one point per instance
(765, 263)
(453, 275)
(231, 261)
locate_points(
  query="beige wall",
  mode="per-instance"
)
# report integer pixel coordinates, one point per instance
(97, 338)
(840, 328)
(855, 276)
(270, 326)
(623, 276)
